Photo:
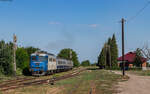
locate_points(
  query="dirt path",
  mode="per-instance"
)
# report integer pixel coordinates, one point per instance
(135, 85)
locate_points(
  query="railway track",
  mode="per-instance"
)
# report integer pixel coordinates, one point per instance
(14, 81)
(24, 82)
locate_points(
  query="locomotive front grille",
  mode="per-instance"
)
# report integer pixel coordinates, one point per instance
(37, 64)
(37, 68)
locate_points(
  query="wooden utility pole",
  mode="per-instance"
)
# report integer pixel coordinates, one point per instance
(14, 52)
(123, 62)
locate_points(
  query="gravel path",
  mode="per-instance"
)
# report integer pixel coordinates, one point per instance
(135, 85)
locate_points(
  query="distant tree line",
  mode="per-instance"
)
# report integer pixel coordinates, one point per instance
(85, 63)
(109, 54)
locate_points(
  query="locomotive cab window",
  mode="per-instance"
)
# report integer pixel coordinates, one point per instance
(42, 58)
(33, 58)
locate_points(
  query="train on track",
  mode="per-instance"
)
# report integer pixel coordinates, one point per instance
(43, 63)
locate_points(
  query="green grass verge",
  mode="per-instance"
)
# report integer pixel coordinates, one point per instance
(141, 72)
(103, 82)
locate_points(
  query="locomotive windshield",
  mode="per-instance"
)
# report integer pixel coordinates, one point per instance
(42, 58)
(34, 58)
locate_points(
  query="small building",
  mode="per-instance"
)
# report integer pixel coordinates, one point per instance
(129, 59)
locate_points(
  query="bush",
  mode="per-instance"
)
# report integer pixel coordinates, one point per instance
(26, 71)
(1, 70)
(85, 63)
(113, 68)
(137, 69)
(6, 58)
(19, 71)
(22, 58)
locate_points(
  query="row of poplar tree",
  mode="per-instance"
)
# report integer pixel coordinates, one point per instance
(109, 54)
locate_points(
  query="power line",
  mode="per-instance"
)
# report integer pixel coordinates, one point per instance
(6, 0)
(141, 10)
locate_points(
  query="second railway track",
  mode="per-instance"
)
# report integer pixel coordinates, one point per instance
(33, 81)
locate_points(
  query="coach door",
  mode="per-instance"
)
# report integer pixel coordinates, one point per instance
(52, 63)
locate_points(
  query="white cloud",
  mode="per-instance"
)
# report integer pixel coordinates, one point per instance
(93, 25)
(54, 23)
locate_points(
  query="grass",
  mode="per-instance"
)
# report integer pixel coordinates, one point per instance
(5, 78)
(141, 72)
(40, 89)
(103, 81)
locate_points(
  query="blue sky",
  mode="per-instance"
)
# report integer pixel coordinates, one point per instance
(83, 25)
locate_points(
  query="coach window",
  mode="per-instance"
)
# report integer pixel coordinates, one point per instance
(50, 59)
(59, 62)
(54, 60)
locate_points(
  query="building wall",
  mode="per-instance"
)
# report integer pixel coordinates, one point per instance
(131, 65)
(144, 64)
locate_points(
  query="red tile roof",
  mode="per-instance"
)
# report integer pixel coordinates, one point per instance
(130, 57)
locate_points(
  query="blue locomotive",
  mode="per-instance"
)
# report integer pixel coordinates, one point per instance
(42, 63)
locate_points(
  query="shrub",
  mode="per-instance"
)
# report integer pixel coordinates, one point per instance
(26, 71)
(85, 63)
(113, 68)
(19, 71)
(22, 58)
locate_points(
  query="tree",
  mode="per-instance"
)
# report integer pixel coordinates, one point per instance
(138, 61)
(22, 58)
(6, 58)
(102, 58)
(85, 63)
(94, 64)
(109, 42)
(114, 51)
(109, 53)
(65, 53)
(146, 51)
(31, 50)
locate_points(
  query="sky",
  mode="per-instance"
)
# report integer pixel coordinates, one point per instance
(83, 25)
